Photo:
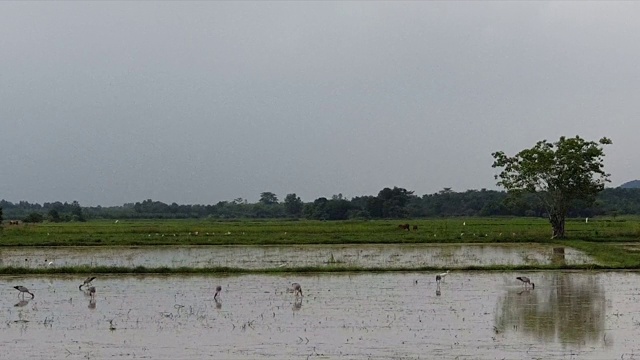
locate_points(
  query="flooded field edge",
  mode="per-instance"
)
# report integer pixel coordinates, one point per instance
(292, 258)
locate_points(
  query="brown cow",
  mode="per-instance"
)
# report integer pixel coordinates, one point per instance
(14, 222)
(415, 227)
(404, 227)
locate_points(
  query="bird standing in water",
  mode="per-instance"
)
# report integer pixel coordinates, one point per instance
(87, 281)
(297, 289)
(442, 276)
(525, 280)
(23, 290)
(218, 289)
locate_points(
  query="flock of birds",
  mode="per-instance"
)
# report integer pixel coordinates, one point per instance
(295, 288)
(440, 278)
(91, 289)
(525, 280)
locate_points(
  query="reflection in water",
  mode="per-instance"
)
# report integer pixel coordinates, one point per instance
(525, 291)
(558, 257)
(438, 293)
(218, 304)
(568, 308)
(297, 304)
(22, 303)
(92, 303)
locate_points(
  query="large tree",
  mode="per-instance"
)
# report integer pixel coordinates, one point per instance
(393, 202)
(559, 174)
(268, 198)
(293, 205)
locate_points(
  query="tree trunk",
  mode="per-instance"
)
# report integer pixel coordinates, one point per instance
(557, 223)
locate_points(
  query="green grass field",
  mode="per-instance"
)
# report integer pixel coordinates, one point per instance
(605, 239)
(271, 232)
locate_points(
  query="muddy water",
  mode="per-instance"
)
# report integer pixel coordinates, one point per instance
(472, 315)
(257, 257)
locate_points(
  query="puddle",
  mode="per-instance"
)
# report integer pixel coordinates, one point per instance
(474, 315)
(258, 257)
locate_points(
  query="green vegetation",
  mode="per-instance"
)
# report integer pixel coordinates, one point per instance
(559, 174)
(611, 255)
(613, 243)
(272, 232)
(396, 203)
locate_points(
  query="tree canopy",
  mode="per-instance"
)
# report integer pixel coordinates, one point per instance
(560, 174)
(268, 198)
(293, 205)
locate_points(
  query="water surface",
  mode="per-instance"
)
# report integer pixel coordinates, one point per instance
(258, 257)
(472, 315)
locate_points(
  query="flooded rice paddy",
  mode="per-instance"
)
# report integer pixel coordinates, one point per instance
(471, 315)
(259, 257)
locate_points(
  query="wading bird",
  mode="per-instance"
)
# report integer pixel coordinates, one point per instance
(297, 289)
(442, 276)
(218, 289)
(87, 281)
(92, 291)
(438, 279)
(525, 280)
(23, 290)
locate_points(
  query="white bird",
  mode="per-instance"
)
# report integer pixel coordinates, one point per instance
(442, 276)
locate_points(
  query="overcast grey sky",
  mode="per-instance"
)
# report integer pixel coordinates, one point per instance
(199, 102)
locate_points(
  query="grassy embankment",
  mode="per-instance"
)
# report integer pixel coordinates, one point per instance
(606, 240)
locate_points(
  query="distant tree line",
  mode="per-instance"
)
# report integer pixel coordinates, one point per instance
(396, 203)
(54, 212)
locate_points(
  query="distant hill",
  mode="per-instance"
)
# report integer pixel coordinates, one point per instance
(633, 184)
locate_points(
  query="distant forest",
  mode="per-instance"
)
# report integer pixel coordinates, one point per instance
(396, 203)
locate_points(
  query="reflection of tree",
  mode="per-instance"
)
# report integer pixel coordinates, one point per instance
(567, 308)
